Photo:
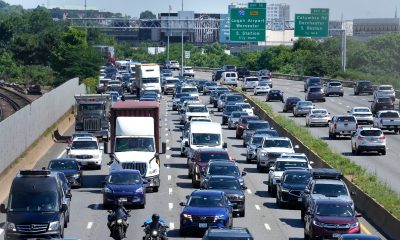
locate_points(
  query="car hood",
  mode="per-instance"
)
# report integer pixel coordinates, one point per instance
(204, 211)
(300, 187)
(230, 192)
(83, 151)
(279, 150)
(27, 217)
(134, 156)
(123, 188)
(335, 220)
(67, 173)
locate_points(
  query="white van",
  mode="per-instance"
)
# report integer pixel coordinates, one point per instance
(229, 78)
(202, 134)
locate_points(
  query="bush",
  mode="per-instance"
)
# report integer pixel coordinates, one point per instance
(91, 84)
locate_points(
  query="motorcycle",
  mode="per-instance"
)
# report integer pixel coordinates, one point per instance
(152, 233)
(119, 224)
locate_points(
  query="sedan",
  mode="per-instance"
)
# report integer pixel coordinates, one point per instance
(124, 185)
(204, 209)
(71, 169)
(234, 118)
(275, 94)
(317, 117)
(363, 115)
(290, 102)
(262, 87)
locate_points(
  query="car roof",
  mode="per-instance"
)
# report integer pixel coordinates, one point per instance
(85, 139)
(207, 192)
(291, 160)
(210, 149)
(125, 171)
(239, 232)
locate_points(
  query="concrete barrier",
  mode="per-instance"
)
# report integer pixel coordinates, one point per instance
(379, 217)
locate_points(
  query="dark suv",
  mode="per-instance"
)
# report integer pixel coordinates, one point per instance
(363, 86)
(243, 72)
(291, 187)
(36, 207)
(382, 103)
(311, 82)
(228, 109)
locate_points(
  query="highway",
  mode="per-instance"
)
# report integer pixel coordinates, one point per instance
(263, 218)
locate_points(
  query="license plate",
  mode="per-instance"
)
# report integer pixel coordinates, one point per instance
(336, 235)
(384, 107)
(203, 225)
(275, 95)
(123, 199)
(299, 199)
(84, 163)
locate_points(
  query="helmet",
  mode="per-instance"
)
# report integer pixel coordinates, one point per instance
(155, 217)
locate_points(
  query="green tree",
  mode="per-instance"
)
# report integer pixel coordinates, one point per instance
(147, 15)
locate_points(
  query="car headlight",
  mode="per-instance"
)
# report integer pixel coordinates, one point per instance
(139, 190)
(119, 221)
(53, 226)
(219, 217)
(11, 226)
(187, 216)
(241, 197)
(107, 190)
(354, 225)
(264, 154)
(77, 175)
(284, 190)
(317, 223)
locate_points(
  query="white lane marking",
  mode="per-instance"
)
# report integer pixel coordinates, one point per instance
(166, 124)
(340, 103)
(257, 207)
(267, 227)
(171, 226)
(348, 106)
(168, 166)
(168, 148)
(248, 191)
(166, 129)
(167, 141)
(165, 119)
(89, 225)
(166, 134)
(62, 153)
(169, 177)
(170, 206)
(168, 156)
(1, 231)
(364, 99)
(170, 191)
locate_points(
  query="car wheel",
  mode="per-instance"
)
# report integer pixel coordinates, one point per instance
(356, 150)
(182, 154)
(98, 167)
(244, 144)
(352, 149)
(242, 213)
(237, 136)
(302, 214)
(255, 93)
(306, 236)
(189, 174)
(278, 202)
(330, 135)
(219, 109)
(155, 189)
(258, 166)
(307, 124)
(65, 224)
(269, 188)
(248, 160)
(383, 152)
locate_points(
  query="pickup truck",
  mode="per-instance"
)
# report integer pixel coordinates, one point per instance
(342, 125)
(387, 120)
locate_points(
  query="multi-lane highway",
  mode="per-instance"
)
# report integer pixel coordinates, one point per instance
(263, 218)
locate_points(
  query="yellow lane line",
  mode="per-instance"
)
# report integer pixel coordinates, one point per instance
(365, 230)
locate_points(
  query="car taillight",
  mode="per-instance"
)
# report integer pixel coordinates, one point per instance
(360, 138)
(382, 137)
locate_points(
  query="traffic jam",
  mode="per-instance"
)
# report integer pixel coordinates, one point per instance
(123, 120)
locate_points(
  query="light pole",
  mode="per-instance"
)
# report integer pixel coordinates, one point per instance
(168, 31)
(182, 41)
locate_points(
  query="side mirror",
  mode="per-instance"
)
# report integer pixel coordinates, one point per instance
(252, 108)
(225, 145)
(244, 173)
(182, 204)
(181, 137)
(145, 182)
(272, 168)
(244, 187)
(64, 207)
(311, 162)
(186, 144)
(296, 146)
(212, 112)
(3, 208)
(245, 99)
(358, 214)
(122, 98)
(308, 212)
(307, 191)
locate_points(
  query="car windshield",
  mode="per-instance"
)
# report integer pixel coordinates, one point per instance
(263, 84)
(384, 100)
(223, 183)
(63, 165)
(232, 108)
(359, 110)
(189, 90)
(319, 112)
(283, 165)
(314, 80)
(234, 98)
(246, 119)
(238, 114)
(150, 80)
(90, 107)
(30, 200)
(179, 95)
(330, 189)
(197, 109)
(335, 84)
(272, 133)
(268, 143)
(292, 100)
(206, 157)
(364, 83)
(230, 170)
(252, 79)
(84, 145)
(303, 104)
(124, 179)
(205, 201)
(389, 115)
(208, 139)
(257, 125)
(296, 178)
(134, 144)
(334, 210)
(346, 119)
(315, 89)
(371, 133)
(175, 81)
(256, 140)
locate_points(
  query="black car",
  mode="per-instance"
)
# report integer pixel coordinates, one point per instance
(363, 86)
(223, 167)
(200, 85)
(275, 94)
(229, 234)
(71, 169)
(228, 110)
(36, 206)
(232, 188)
(291, 187)
(34, 89)
(217, 74)
(243, 72)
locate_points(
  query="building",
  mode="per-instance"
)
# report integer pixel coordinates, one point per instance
(278, 11)
(366, 28)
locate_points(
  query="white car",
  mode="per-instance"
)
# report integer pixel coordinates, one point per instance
(174, 65)
(249, 83)
(318, 116)
(188, 71)
(191, 90)
(281, 164)
(363, 115)
(194, 110)
(368, 139)
(86, 150)
(229, 78)
(385, 91)
(270, 150)
(246, 107)
(262, 87)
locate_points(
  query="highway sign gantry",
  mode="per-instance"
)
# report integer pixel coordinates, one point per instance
(311, 25)
(247, 24)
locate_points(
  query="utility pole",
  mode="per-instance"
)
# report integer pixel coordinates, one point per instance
(168, 31)
(344, 46)
(182, 40)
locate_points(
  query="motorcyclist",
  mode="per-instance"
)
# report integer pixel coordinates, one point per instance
(118, 211)
(155, 223)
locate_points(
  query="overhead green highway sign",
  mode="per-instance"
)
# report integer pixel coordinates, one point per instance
(247, 24)
(311, 25)
(320, 11)
(257, 5)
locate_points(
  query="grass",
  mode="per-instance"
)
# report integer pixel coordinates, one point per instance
(367, 182)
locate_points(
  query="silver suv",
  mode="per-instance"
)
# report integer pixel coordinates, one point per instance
(368, 139)
(333, 88)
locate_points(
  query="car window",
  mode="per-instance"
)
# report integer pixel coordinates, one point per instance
(124, 179)
(223, 183)
(319, 112)
(346, 119)
(197, 109)
(330, 189)
(385, 88)
(256, 140)
(205, 201)
(361, 110)
(296, 178)
(206, 157)
(257, 125)
(315, 89)
(371, 133)
(277, 143)
(384, 100)
(339, 210)
(84, 145)
(229, 170)
(335, 84)
(389, 114)
(63, 165)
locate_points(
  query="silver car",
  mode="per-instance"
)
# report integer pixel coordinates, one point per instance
(253, 145)
(302, 108)
(333, 88)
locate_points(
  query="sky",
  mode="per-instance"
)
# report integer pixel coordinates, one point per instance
(350, 9)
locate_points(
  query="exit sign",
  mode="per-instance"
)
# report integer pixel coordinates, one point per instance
(258, 5)
(320, 11)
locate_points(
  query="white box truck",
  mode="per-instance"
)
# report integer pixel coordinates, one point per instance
(147, 78)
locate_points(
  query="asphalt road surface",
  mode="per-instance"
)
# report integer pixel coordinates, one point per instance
(263, 218)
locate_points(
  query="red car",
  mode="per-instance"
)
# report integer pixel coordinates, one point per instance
(242, 124)
(330, 218)
(199, 162)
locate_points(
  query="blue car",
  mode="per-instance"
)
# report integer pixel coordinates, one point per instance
(204, 209)
(125, 185)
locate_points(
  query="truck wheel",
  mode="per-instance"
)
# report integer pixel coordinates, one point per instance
(155, 189)
(383, 152)
(182, 154)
